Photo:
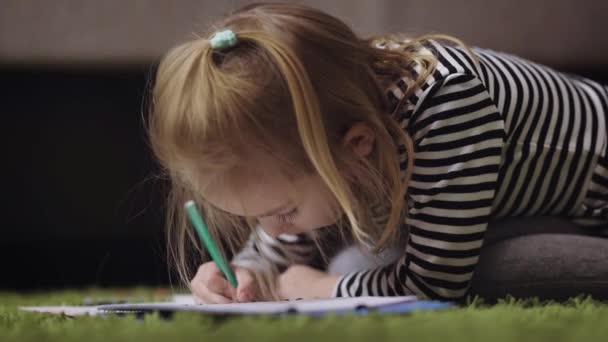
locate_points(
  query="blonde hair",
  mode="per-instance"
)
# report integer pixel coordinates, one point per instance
(295, 82)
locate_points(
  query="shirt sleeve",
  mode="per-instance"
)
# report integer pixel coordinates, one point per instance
(264, 253)
(458, 134)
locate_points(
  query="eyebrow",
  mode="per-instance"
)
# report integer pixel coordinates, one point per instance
(275, 210)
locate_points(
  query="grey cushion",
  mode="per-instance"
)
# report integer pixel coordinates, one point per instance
(544, 257)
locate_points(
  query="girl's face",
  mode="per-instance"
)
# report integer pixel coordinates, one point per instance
(281, 205)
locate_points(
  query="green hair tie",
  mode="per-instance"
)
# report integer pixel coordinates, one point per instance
(223, 39)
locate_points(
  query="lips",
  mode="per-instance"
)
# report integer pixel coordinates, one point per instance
(281, 230)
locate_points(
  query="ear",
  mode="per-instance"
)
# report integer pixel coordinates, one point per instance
(360, 138)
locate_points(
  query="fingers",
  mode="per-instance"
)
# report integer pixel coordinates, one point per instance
(246, 290)
(210, 287)
(219, 285)
(207, 297)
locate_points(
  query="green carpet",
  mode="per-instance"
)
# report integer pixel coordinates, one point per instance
(578, 320)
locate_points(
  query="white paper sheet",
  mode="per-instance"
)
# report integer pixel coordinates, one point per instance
(186, 303)
(301, 306)
(66, 310)
(92, 310)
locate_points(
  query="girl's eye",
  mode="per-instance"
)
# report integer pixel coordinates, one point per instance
(288, 217)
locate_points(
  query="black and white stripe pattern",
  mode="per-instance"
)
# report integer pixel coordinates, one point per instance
(459, 135)
(264, 253)
(504, 137)
(501, 137)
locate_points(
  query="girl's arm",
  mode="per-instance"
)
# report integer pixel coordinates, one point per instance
(458, 133)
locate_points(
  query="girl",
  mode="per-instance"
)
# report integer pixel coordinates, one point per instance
(294, 136)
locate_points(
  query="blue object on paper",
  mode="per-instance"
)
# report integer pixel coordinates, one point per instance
(419, 305)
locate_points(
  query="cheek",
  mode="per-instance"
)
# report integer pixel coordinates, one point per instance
(269, 223)
(316, 215)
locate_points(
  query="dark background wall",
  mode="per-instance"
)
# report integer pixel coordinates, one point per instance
(80, 201)
(80, 197)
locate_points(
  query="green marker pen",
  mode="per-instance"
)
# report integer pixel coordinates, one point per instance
(203, 233)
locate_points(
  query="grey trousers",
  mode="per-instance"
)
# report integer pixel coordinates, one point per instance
(543, 257)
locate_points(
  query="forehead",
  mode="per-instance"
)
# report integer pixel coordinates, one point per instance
(246, 192)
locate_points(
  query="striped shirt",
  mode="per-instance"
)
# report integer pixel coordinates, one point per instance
(498, 138)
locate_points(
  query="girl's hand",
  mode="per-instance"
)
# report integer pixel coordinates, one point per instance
(210, 287)
(301, 281)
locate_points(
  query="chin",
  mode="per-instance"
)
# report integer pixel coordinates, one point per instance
(292, 230)
(289, 231)
(300, 230)
(276, 233)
